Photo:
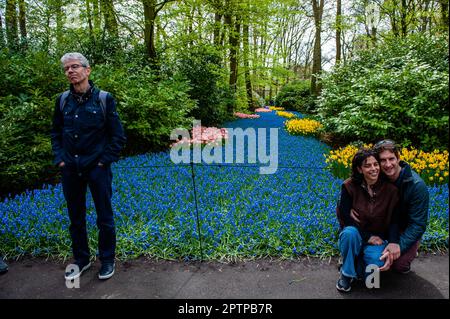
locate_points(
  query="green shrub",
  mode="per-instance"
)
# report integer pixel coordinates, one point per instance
(201, 65)
(398, 90)
(150, 109)
(25, 149)
(23, 75)
(28, 87)
(295, 96)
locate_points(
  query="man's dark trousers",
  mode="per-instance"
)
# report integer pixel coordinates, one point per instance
(99, 180)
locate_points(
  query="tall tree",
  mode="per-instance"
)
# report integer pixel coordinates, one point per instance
(444, 14)
(246, 45)
(2, 36)
(96, 15)
(232, 20)
(370, 20)
(218, 7)
(338, 30)
(109, 14)
(12, 35)
(317, 56)
(390, 8)
(59, 23)
(234, 50)
(151, 10)
(404, 17)
(89, 17)
(22, 24)
(424, 7)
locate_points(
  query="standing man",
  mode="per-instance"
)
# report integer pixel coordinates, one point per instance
(87, 136)
(413, 214)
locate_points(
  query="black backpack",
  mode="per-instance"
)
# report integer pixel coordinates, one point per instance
(102, 97)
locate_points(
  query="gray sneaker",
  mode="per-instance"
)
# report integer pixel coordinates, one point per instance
(344, 283)
(106, 271)
(76, 270)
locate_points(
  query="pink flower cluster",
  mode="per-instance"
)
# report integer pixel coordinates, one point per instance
(262, 110)
(204, 135)
(246, 116)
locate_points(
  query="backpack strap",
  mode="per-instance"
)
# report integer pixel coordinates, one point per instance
(63, 100)
(102, 97)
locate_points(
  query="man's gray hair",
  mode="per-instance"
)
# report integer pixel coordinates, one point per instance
(75, 56)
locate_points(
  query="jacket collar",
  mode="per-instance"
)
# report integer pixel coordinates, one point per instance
(406, 174)
(81, 98)
(375, 186)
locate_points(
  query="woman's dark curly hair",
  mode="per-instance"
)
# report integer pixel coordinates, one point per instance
(358, 160)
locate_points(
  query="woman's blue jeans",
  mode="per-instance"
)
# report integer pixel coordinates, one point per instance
(357, 255)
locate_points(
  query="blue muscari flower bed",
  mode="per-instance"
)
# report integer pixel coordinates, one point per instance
(242, 214)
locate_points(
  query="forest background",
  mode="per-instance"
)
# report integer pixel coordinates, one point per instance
(365, 69)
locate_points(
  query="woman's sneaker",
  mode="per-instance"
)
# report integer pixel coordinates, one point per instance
(344, 283)
(73, 271)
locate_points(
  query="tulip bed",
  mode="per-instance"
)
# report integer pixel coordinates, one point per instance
(241, 213)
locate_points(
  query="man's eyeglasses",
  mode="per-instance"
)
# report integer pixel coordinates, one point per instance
(385, 143)
(73, 67)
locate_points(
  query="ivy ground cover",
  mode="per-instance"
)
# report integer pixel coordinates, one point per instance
(241, 214)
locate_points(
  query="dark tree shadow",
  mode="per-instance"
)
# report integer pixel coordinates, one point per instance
(396, 286)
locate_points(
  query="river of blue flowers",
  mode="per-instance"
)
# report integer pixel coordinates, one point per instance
(241, 213)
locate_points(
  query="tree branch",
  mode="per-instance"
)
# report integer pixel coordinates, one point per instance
(160, 5)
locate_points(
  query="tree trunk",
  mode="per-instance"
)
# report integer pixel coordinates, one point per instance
(12, 36)
(89, 18)
(2, 36)
(59, 24)
(255, 59)
(109, 15)
(190, 27)
(317, 56)
(218, 33)
(248, 83)
(233, 40)
(22, 25)
(403, 16)
(338, 30)
(97, 16)
(217, 25)
(48, 31)
(234, 47)
(392, 13)
(151, 9)
(444, 14)
(149, 31)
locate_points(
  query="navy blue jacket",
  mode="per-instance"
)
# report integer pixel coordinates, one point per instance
(414, 202)
(82, 135)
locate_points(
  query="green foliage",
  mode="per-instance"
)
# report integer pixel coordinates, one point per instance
(396, 90)
(24, 74)
(25, 149)
(28, 89)
(201, 65)
(296, 96)
(149, 108)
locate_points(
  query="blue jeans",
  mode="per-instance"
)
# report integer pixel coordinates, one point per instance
(357, 255)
